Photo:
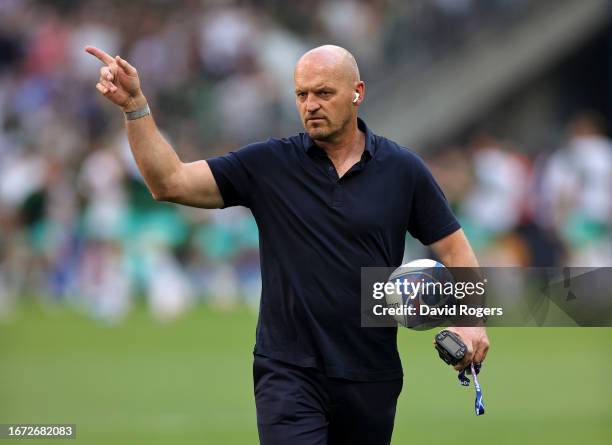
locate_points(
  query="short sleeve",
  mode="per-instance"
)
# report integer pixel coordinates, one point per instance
(431, 218)
(236, 173)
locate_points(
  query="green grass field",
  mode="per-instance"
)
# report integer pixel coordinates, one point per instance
(190, 382)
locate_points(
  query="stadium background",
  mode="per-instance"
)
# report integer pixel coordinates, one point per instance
(135, 319)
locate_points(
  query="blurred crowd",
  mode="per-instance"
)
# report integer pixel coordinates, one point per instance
(78, 225)
(551, 207)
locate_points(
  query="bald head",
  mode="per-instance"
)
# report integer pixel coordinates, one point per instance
(336, 60)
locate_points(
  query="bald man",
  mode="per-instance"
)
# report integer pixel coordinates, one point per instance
(327, 202)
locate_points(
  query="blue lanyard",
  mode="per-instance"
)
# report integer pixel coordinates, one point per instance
(474, 369)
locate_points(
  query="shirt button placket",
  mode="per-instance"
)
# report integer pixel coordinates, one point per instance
(338, 195)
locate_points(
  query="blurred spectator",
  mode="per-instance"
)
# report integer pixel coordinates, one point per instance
(227, 37)
(577, 191)
(497, 201)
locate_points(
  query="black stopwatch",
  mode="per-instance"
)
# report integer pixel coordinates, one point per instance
(450, 347)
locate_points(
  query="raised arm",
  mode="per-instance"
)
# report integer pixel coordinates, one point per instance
(167, 178)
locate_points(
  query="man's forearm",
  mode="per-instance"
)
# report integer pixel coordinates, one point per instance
(156, 159)
(455, 251)
(463, 257)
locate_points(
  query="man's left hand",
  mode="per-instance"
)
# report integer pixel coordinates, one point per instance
(477, 342)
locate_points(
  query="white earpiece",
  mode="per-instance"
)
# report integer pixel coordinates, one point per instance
(356, 98)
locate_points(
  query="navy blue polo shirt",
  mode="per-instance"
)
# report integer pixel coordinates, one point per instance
(316, 232)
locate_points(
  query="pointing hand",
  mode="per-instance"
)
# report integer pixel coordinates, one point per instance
(118, 81)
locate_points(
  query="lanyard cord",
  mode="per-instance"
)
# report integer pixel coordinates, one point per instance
(465, 381)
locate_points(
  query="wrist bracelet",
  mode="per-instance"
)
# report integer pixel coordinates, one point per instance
(138, 113)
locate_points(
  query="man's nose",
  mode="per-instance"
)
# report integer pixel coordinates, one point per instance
(312, 104)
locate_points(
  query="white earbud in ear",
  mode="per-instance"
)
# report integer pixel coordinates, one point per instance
(356, 98)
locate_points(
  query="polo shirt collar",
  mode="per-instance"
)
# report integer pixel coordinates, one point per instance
(370, 146)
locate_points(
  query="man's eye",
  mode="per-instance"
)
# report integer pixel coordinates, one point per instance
(325, 93)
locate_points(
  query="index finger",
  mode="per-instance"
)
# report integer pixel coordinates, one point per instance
(99, 54)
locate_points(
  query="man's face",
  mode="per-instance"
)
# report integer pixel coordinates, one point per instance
(323, 98)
